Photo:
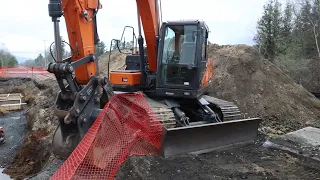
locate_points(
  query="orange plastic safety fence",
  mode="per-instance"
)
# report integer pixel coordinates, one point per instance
(22, 71)
(126, 126)
(3, 73)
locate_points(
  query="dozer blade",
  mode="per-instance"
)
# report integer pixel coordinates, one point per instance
(204, 138)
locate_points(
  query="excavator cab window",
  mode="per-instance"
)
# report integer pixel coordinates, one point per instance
(180, 45)
(178, 56)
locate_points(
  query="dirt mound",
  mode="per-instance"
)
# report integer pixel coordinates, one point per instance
(117, 61)
(261, 89)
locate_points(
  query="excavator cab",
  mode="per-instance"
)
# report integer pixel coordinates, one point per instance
(182, 59)
(183, 67)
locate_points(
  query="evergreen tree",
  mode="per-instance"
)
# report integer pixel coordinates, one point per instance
(63, 49)
(286, 27)
(268, 30)
(7, 59)
(100, 48)
(290, 38)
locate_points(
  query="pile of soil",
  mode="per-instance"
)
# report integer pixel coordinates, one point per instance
(261, 89)
(117, 61)
(41, 122)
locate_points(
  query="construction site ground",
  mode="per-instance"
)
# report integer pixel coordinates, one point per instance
(15, 124)
(241, 75)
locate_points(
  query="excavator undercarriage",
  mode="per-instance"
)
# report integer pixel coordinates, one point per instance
(202, 125)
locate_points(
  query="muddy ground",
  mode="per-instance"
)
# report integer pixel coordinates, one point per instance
(248, 162)
(242, 76)
(16, 127)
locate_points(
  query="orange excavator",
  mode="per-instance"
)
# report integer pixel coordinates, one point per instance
(173, 72)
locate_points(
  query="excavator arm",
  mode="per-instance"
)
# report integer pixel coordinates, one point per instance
(83, 91)
(148, 11)
(80, 17)
(81, 22)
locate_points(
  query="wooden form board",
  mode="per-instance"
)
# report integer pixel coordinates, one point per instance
(11, 102)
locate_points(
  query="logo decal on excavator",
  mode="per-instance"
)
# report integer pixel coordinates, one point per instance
(124, 79)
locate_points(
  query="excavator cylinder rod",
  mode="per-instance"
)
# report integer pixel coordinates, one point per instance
(205, 138)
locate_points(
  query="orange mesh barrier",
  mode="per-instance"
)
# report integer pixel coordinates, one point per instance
(3, 73)
(126, 126)
(21, 71)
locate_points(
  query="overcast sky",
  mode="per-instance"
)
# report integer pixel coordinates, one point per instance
(26, 24)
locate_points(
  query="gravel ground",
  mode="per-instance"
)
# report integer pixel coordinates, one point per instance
(16, 127)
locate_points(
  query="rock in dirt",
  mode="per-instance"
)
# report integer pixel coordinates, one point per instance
(303, 142)
(308, 136)
(261, 89)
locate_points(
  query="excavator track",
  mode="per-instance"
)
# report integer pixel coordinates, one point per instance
(162, 112)
(235, 129)
(166, 116)
(229, 110)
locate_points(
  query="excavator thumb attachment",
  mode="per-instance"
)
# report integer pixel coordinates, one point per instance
(204, 138)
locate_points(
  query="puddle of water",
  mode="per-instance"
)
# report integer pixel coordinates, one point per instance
(4, 176)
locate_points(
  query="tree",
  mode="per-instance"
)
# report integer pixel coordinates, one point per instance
(268, 30)
(290, 38)
(39, 61)
(63, 49)
(7, 59)
(286, 27)
(100, 48)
